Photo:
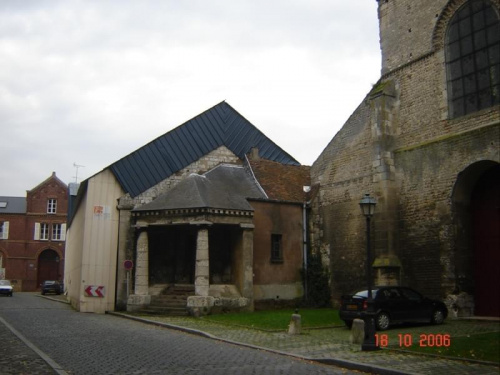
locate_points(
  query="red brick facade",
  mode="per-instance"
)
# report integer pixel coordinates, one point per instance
(33, 242)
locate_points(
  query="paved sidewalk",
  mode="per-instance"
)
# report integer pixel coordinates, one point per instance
(332, 346)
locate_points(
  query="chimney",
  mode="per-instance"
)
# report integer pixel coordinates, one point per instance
(254, 154)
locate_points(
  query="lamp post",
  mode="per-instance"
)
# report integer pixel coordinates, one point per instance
(367, 205)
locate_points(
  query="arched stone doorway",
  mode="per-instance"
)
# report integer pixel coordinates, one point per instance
(48, 266)
(476, 216)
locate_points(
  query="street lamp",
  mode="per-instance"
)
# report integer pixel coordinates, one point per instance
(367, 205)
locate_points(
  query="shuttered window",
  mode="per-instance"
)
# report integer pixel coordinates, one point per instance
(58, 232)
(4, 230)
(41, 231)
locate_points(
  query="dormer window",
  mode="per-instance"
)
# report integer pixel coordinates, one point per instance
(51, 206)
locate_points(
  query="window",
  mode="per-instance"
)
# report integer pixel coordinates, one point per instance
(44, 231)
(58, 232)
(473, 58)
(4, 230)
(411, 295)
(51, 206)
(41, 231)
(276, 248)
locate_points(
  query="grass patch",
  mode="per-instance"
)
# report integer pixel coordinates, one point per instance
(483, 347)
(279, 319)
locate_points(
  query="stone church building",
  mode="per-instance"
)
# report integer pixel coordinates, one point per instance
(426, 143)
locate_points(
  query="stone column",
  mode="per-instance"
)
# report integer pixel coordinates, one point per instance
(142, 265)
(201, 303)
(247, 259)
(141, 297)
(202, 270)
(384, 123)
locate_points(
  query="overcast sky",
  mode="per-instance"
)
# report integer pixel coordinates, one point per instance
(88, 82)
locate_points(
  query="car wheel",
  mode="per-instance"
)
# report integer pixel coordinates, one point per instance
(43, 293)
(382, 321)
(348, 323)
(437, 317)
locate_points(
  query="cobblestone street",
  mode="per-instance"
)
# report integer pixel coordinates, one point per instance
(79, 343)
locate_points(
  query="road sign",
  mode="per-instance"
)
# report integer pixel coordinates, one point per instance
(128, 264)
(94, 291)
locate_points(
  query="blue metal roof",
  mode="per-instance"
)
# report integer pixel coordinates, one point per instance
(218, 126)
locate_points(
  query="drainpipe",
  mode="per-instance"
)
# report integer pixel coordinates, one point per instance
(305, 238)
(304, 245)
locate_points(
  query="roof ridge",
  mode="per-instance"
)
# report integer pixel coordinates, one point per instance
(220, 125)
(254, 177)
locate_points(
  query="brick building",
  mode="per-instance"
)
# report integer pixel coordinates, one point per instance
(426, 143)
(32, 235)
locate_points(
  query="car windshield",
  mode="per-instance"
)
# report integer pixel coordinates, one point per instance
(364, 293)
(50, 282)
(5, 282)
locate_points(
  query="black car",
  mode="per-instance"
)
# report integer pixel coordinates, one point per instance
(51, 286)
(393, 304)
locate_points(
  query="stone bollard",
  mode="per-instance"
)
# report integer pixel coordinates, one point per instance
(357, 332)
(295, 324)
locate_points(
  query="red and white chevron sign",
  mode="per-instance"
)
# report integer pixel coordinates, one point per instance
(94, 291)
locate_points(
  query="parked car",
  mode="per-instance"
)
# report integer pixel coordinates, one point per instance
(51, 286)
(393, 304)
(6, 287)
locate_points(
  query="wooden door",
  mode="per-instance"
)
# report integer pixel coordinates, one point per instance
(485, 204)
(48, 266)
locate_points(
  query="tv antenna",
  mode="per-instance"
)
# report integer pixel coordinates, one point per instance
(77, 166)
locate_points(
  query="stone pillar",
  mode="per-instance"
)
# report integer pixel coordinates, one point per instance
(384, 122)
(201, 303)
(141, 297)
(246, 286)
(202, 270)
(142, 265)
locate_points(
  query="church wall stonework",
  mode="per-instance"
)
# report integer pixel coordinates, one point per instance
(402, 147)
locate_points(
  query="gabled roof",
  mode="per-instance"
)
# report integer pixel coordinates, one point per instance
(52, 177)
(220, 125)
(12, 205)
(224, 187)
(281, 182)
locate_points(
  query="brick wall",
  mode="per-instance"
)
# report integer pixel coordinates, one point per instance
(21, 251)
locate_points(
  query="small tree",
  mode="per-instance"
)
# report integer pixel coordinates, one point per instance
(318, 286)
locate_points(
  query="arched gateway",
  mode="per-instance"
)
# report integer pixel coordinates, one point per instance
(476, 211)
(48, 266)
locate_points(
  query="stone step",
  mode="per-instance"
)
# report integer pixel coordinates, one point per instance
(172, 311)
(168, 302)
(171, 301)
(179, 290)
